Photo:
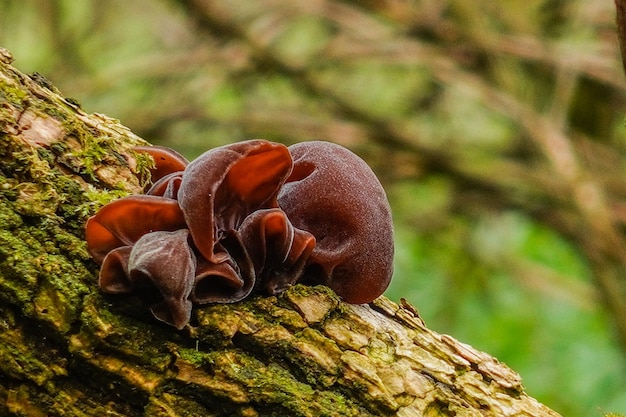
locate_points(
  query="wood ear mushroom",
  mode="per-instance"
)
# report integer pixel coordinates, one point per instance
(253, 216)
(334, 195)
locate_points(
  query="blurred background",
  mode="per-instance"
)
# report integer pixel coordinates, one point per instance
(497, 129)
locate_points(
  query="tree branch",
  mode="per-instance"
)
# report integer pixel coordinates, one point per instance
(66, 349)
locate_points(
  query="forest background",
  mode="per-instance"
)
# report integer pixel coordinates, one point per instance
(497, 129)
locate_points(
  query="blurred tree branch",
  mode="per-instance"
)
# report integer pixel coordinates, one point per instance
(620, 9)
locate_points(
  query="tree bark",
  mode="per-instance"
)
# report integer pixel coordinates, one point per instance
(67, 349)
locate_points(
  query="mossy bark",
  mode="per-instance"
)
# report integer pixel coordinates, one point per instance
(67, 349)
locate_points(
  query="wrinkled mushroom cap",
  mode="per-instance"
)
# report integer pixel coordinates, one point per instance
(334, 195)
(225, 185)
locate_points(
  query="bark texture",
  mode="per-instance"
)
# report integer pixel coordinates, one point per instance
(66, 349)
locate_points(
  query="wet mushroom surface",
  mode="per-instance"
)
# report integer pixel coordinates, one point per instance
(252, 216)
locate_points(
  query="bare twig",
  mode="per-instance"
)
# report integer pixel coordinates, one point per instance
(620, 8)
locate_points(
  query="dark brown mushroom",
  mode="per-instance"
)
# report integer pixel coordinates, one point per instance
(167, 186)
(122, 222)
(229, 277)
(166, 260)
(223, 186)
(162, 260)
(246, 216)
(334, 195)
(278, 250)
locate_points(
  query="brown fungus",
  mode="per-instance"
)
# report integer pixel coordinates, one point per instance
(223, 186)
(279, 251)
(334, 195)
(166, 261)
(253, 215)
(122, 222)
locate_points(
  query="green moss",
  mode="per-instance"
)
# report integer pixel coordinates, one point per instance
(28, 166)
(71, 246)
(18, 275)
(144, 163)
(40, 259)
(14, 95)
(119, 332)
(36, 199)
(61, 284)
(278, 314)
(318, 356)
(88, 149)
(217, 325)
(94, 199)
(26, 364)
(272, 384)
(193, 356)
(9, 219)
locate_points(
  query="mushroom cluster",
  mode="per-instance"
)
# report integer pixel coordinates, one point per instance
(250, 216)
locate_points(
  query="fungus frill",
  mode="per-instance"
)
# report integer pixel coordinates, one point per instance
(250, 216)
